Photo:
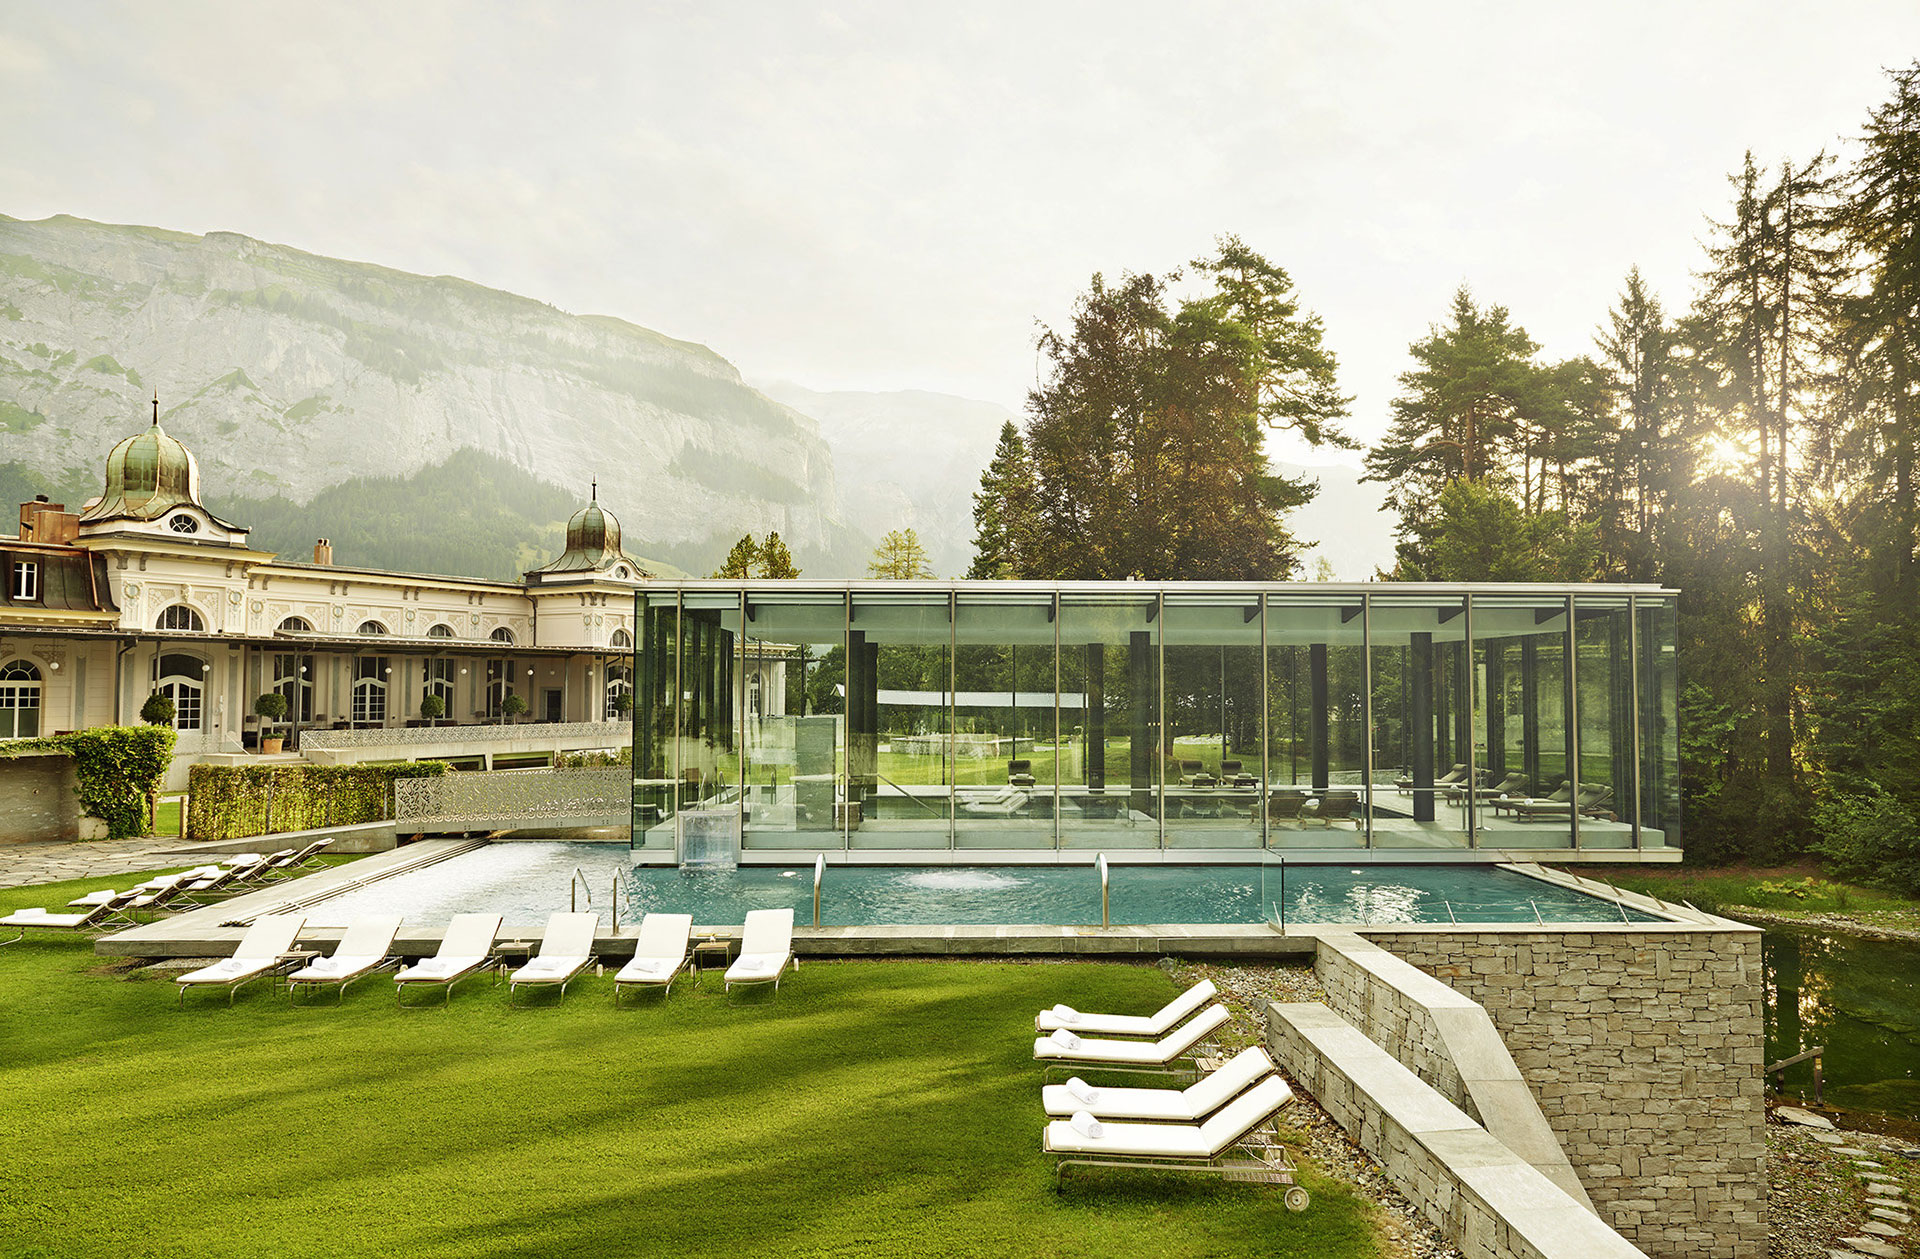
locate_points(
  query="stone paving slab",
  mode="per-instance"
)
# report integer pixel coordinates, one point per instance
(1895, 1203)
(1890, 1215)
(1886, 1187)
(22, 865)
(1877, 1229)
(1872, 1246)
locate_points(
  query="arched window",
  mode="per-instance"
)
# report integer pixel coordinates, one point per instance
(440, 631)
(502, 635)
(183, 679)
(180, 617)
(184, 523)
(370, 689)
(295, 625)
(439, 681)
(622, 641)
(371, 627)
(19, 700)
(619, 682)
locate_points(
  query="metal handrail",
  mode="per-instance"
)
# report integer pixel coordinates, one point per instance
(819, 872)
(903, 791)
(575, 885)
(1450, 918)
(1536, 911)
(1100, 864)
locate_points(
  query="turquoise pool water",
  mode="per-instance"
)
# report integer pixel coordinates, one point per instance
(527, 881)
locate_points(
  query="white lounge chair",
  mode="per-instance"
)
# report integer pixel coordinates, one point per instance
(285, 864)
(1065, 1046)
(467, 947)
(1188, 1105)
(88, 919)
(1155, 1024)
(1209, 1147)
(659, 954)
(766, 946)
(260, 952)
(363, 949)
(565, 950)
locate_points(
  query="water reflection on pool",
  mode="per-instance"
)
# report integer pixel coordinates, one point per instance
(528, 881)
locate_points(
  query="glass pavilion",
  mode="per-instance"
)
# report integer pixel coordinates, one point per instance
(1487, 720)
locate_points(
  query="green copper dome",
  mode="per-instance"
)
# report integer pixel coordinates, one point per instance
(148, 475)
(593, 542)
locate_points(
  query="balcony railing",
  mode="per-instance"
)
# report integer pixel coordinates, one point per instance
(609, 733)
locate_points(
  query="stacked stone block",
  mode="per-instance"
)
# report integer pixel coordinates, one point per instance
(1644, 1046)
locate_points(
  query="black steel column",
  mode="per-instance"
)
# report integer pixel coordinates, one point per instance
(1530, 716)
(1420, 724)
(1144, 744)
(1096, 717)
(1496, 711)
(1317, 719)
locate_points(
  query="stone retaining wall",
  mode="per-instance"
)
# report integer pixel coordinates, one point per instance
(1644, 1047)
(39, 802)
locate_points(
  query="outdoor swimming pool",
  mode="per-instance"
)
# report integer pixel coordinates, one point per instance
(525, 882)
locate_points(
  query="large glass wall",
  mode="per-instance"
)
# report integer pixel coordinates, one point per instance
(1007, 716)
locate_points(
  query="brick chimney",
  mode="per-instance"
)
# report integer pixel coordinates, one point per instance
(41, 521)
(323, 552)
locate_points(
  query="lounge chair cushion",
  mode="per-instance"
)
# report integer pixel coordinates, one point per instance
(227, 970)
(1136, 1052)
(1187, 1141)
(1188, 1105)
(338, 966)
(39, 917)
(437, 969)
(1155, 1024)
(549, 970)
(755, 966)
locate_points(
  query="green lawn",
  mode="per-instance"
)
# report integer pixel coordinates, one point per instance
(885, 1108)
(1788, 890)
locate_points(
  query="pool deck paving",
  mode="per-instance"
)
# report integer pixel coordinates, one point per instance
(22, 865)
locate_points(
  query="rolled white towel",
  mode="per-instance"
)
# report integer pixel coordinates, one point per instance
(1065, 1039)
(1086, 1125)
(1066, 1014)
(1080, 1091)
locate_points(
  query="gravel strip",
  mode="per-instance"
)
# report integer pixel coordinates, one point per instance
(1246, 990)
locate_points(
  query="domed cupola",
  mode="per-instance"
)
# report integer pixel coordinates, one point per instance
(148, 475)
(593, 544)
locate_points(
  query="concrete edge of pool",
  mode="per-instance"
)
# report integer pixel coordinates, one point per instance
(214, 930)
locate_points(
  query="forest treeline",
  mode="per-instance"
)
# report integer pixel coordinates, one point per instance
(1753, 445)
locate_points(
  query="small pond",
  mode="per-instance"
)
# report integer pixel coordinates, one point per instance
(1860, 998)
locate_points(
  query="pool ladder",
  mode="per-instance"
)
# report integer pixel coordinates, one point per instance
(577, 885)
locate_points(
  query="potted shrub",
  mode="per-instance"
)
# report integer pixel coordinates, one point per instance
(514, 707)
(622, 705)
(272, 709)
(432, 708)
(157, 711)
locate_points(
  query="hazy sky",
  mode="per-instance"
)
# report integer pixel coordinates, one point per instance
(889, 196)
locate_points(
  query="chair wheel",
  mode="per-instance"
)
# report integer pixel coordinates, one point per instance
(1297, 1199)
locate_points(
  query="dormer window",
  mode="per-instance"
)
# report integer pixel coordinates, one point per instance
(26, 580)
(183, 523)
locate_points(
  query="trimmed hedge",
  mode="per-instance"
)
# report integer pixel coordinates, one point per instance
(117, 768)
(235, 801)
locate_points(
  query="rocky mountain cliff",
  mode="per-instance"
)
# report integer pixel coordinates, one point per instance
(288, 373)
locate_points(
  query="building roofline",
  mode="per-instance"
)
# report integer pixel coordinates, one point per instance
(1340, 588)
(394, 575)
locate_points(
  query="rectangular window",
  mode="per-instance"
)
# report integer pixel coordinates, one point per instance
(26, 580)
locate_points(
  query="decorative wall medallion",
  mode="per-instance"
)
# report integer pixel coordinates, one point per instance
(259, 606)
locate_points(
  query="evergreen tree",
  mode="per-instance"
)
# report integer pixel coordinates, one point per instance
(1879, 336)
(1003, 510)
(1474, 389)
(741, 559)
(775, 560)
(900, 557)
(1637, 348)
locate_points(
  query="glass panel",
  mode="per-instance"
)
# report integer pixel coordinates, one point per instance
(1520, 679)
(1212, 777)
(1604, 668)
(899, 720)
(1316, 790)
(1422, 729)
(1005, 756)
(707, 758)
(293, 679)
(794, 732)
(655, 798)
(1659, 745)
(1109, 766)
